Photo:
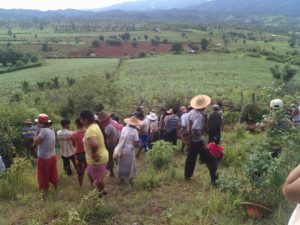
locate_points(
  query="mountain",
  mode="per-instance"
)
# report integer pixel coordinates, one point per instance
(252, 7)
(148, 5)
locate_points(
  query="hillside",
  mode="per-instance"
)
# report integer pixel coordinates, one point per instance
(147, 5)
(253, 7)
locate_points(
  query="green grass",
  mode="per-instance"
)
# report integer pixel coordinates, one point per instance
(61, 68)
(182, 76)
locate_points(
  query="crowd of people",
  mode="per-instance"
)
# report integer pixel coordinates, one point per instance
(100, 142)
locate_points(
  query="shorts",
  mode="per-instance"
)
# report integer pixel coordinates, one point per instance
(80, 157)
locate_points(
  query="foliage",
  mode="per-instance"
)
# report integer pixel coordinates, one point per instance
(95, 43)
(91, 210)
(284, 74)
(17, 57)
(114, 42)
(148, 181)
(177, 48)
(16, 181)
(161, 155)
(204, 44)
(252, 113)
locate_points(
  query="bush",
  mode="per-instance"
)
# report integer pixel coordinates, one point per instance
(142, 54)
(147, 181)
(252, 113)
(114, 42)
(15, 181)
(161, 155)
(91, 210)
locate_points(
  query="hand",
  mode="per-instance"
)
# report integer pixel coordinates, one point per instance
(96, 157)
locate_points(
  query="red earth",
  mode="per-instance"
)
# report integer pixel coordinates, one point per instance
(106, 50)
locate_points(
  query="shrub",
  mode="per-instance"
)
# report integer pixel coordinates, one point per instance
(15, 181)
(142, 54)
(147, 181)
(161, 155)
(252, 113)
(114, 42)
(177, 48)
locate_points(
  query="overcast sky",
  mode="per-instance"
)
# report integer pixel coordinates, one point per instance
(57, 4)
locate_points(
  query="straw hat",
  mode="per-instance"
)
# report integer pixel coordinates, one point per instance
(28, 121)
(200, 101)
(152, 116)
(102, 116)
(170, 111)
(133, 121)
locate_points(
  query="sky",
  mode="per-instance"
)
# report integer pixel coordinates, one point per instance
(57, 4)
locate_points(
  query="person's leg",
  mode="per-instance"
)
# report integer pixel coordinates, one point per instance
(73, 159)
(173, 137)
(110, 164)
(68, 166)
(190, 161)
(53, 174)
(210, 161)
(43, 174)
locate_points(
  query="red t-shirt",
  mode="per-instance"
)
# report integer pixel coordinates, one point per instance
(77, 137)
(215, 150)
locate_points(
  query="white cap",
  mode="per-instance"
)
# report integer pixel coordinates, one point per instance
(276, 104)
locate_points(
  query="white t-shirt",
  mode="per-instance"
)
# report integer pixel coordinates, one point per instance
(295, 218)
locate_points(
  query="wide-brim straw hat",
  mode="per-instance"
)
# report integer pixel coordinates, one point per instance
(28, 121)
(102, 116)
(170, 111)
(200, 101)
(152, 116)
(133, 121)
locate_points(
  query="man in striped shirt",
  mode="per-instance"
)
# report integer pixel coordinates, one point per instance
(66, 146)
(171, 125)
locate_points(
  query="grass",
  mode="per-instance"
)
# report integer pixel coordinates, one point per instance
(173, 202)
(74, 68)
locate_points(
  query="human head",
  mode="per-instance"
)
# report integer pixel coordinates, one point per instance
(43, 120)
(216, 107)
(86, 117)
(65, 123)
(103, 116)
(28, 122)
(276, 104)
(216, 139)
(175, 111)
(114, 117)
(183, 109)
(78, 123)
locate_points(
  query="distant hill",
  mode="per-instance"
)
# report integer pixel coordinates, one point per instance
(252, 7)
(147, 5)
(248, 7)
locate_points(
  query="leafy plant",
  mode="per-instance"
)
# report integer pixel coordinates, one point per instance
(161, 155)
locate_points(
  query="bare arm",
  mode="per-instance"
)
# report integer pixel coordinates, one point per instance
(291, 187)
(94, 147)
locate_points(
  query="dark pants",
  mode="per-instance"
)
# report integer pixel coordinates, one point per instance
(110, 163)
(67, 165)
(205, 156)
(171, 137)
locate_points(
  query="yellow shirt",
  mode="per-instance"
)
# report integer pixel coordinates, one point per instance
(94, 131)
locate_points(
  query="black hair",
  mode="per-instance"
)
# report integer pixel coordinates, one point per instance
(216, 139)
(114, 117)
(87, 114)
(78, 123)
(65, 122)
(175, 111)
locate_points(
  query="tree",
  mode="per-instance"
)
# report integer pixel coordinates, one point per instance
(101, 37)
(146, 37)
(284, 74)
(204, 44)
(95, 43)
(126, 36)
(177, 48)
(45, 47)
